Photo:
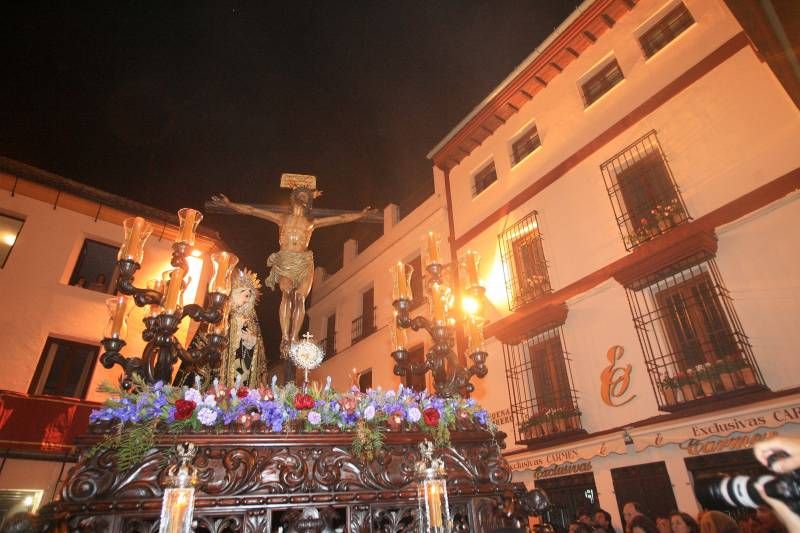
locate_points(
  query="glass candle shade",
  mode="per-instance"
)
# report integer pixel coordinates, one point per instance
(157, 285)
(221, 327)
(433, 505)
(401, 281)
(469, 265)
(398, 336)
(137, 230)
(224, 263)
(189, 220)
(118, 309)
(474, 327)
(439, 297)
(177, 509)
(431, 249)
(174, 283)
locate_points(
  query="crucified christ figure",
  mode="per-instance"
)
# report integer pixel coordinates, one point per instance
(291, 267)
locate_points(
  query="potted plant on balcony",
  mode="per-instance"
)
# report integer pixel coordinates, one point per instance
(726, 375)
(572, 417)
(743, 368)
(669, 387)
(685, 382)
(559, 415)
(705, 377)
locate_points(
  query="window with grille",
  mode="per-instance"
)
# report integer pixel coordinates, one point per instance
(645, 199)
(694, 345)
(483, 178)
(96, 268)
(543, 400)
(665, 30)
(602, 82)
(64, 369)
(329, 342)
(525, 144)
(9, 231)
(648, 484)
(524, 264)
(415, 381)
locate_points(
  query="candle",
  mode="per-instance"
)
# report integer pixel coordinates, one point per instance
(178, 514)
(174, 280)
(118, 309)
(471, 261)
(157, 285)
(438, 297)
(432, 249)
(189, 220)
(224, 263)
(401, 290)
(434, 505)
(399, 338)
(137, 230)
(474, 334)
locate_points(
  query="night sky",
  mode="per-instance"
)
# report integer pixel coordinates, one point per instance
(169, 102)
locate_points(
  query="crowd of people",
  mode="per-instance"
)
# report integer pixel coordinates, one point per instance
(638, 520)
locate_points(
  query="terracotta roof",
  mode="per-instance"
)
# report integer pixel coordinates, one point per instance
(578, 32)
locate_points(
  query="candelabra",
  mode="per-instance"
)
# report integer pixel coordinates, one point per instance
(164, 298)
(450, 375)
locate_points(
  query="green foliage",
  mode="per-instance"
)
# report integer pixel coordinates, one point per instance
(367, 441)
(439, 434)
(130, 443)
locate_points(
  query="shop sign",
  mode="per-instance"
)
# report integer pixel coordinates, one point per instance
(729, 444)
(545, 460)
(743, 424)
(562, 470)
(502, 417)
(615, 380)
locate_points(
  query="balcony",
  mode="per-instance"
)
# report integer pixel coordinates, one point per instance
(329, 345)
(362, 327)
(524, 263)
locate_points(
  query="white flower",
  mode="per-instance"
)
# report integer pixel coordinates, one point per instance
(193, 395)
(369, 412)
(414, 414)
(210, 400)
(207, 416)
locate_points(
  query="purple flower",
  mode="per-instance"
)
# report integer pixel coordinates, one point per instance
(414, 415)
(369, 412)
(254, 395)
(207, 416)
(482, 417)
(314, 418)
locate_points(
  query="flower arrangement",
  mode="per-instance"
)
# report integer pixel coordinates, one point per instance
(140, 414)
(551, 420)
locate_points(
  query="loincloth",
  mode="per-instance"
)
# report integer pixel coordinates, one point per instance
(296, 266)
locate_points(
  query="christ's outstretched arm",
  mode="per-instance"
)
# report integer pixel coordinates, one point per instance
(222, 201)
(341, 219)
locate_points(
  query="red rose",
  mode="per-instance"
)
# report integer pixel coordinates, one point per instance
(184, 409)
(242, 392)
(431, 416)
(303, 401)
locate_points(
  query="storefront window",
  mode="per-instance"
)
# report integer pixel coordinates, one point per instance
(569, 495)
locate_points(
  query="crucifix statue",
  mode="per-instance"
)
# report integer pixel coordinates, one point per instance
(292, 267)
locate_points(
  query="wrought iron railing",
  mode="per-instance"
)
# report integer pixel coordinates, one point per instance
(363, 326)
(329, 345)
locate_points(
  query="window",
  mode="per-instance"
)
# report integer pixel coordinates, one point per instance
(525, 144)
(329, 342)
(96, 268)
(9, 231)
(691, 337)
(64, 369)
(569, 495)
(602, 82)
(13, 501)
(416, 381)
(524, 264)
(643, 193)
(485, 177)
(364, 325)
(543, 402)
(665, 30)
(648, 484)
(365, 380)
(417, 283)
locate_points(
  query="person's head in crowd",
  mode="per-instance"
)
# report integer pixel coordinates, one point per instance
(683, 523)
(631, 510)
(602, 518)
(584, 517)
(663, 524)
(579, 527)
(717, 522)
(641, 524)
(81, 282)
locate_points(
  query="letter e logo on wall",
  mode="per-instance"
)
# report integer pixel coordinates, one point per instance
(615, 380)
